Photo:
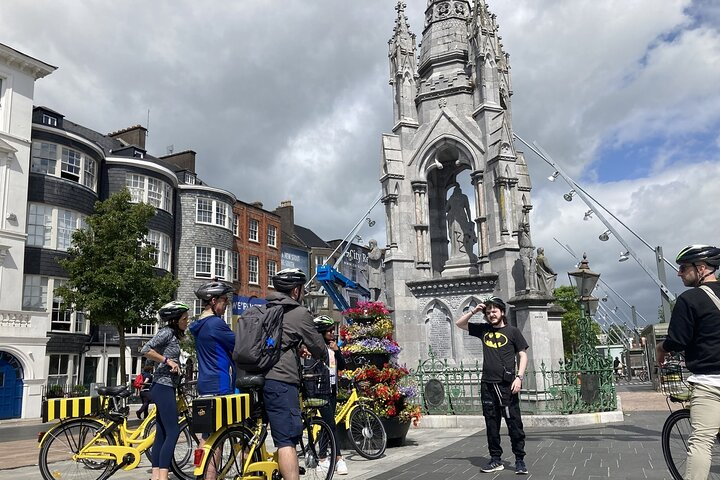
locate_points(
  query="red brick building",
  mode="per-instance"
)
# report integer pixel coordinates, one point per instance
(257, 240)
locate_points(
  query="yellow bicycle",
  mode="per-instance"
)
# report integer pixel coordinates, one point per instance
(238, 430)
(92, 440)
(364, 428)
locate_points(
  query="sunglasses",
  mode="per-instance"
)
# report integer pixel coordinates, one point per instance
(684, 267)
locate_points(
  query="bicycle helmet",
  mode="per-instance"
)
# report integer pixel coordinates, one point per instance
(289, 278)
(212, 290)
(323, 323)
(497, 301)
(172, 311)
(699, 253)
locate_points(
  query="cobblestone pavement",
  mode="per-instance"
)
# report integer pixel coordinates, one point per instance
(624, 450)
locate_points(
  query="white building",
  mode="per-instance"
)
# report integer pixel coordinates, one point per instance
(22, 333)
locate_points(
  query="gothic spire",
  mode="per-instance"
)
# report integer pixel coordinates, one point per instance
(403, 67)
(402, 45)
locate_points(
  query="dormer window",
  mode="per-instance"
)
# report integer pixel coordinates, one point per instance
(49, 120)
(190, 179)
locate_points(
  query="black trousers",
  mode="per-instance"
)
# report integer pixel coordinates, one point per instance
(498, 401)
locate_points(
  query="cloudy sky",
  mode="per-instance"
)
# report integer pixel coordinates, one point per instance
(286, 99)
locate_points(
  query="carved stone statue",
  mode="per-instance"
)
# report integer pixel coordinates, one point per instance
(526, 256)
(376, 277)
(461, 228)
(546, 276)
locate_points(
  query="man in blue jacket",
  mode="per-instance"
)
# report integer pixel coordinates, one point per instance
(214, 341)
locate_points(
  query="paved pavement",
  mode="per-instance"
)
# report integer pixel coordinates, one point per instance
(624, 450)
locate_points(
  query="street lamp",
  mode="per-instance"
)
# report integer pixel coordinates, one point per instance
(584, 281)
(595, 371)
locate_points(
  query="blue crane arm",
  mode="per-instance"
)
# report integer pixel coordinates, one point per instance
(330, 279)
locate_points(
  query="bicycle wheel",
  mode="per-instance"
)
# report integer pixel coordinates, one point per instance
(227, 456)
(59, 446)
(182, 463)
(366, 433)
(675, 434)
(317, 450)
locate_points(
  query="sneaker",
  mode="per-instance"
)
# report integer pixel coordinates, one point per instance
(495, 465)
(324, 465)
(520, 468)
(341, 467)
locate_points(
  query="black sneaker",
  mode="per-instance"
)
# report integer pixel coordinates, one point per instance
(495, 465)
(520, 468)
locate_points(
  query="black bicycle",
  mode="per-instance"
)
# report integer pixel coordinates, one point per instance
(677, 428)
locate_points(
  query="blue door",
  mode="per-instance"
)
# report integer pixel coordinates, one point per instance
(11, 386)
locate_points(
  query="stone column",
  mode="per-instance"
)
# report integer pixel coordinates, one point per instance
(531, 317)
(481, 215)
(421, 225)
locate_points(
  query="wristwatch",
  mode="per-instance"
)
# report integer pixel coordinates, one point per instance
(519, 376)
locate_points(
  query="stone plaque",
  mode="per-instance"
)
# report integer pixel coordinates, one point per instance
(438, 332)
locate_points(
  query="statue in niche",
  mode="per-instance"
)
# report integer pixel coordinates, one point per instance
(526, 256)
(461, 228)
(376, 277)
(546, 276)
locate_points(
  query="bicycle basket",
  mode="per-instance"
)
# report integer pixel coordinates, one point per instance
(316, 381)
(672, 383)
(210, 414)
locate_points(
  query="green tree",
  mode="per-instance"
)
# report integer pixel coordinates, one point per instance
(111, 269)
(567, 297)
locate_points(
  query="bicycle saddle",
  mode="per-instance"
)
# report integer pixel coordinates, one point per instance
(119, 391)
(250, 381)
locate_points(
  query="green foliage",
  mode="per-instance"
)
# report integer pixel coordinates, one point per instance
(111, 270)
(567, 297)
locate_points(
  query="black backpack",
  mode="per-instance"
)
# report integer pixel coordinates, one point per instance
(258, 338)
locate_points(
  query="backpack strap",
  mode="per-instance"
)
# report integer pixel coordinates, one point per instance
(711, 294)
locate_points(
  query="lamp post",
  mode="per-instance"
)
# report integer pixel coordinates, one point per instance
(594, 370)
(584, 281)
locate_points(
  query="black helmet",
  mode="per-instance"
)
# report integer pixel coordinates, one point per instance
(323, 323)
(497, 301)
(212, 290)
(289, 278)
(172, 311)
(699, 253)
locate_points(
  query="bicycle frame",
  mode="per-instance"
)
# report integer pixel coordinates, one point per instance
(131, 442)
(350, 404)
(266, 466)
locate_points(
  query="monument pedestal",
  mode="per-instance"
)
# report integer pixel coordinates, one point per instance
(530, 310)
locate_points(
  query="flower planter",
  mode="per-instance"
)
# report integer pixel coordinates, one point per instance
(396, 431)
(357, 360)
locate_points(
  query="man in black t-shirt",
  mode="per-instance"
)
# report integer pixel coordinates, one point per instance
(695, 329)
(500, 385)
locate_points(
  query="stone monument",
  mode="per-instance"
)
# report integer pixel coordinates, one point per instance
(449, 247)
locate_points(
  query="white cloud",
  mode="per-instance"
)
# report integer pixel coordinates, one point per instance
(287, 100)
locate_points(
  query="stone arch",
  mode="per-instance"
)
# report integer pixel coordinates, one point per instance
(438, 323)
(12, 386)
(440, 164)
(23, 359)
(434, 151)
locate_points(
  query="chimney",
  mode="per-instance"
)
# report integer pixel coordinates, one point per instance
(185, 160)
(287, 216)
(134, 135)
